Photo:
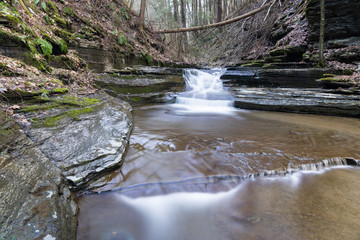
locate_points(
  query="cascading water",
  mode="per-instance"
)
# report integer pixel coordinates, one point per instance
(204, 93)
(238, 175)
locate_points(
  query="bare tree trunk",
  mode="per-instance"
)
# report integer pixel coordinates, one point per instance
(201, 13)
(183, 21)
(176, 11)
(182, 10)
(322, 30)
(196, 22)
(142, 13)
(219, 11)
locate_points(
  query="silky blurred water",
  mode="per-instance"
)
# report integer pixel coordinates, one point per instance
(183, 175)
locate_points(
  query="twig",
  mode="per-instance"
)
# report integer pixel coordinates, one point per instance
(269, 10)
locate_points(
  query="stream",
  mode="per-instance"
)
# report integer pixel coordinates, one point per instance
(201, 169)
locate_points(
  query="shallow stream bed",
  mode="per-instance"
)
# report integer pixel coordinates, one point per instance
(185, 176)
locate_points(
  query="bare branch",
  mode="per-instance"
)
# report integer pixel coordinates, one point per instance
(218, 24)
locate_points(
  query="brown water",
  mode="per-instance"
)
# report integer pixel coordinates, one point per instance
(185, 176)
(322, 205)
(181, 179)
(166, 146)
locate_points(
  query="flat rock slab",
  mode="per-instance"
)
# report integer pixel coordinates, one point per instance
(296, 100)
(34, 201)
(89, 146)
(256, 77)
(138, 89)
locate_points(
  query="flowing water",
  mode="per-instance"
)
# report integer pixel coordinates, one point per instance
(191, 169)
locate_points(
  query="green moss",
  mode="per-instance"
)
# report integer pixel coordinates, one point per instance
(72, 100)
(277, 52)
(61, 22)
(332, 79)
(69, 11)
(66, 102)
(20, 40)
(52, 8)
(60, 90)
(135, 99)
(268, 66)
(40, 107)
(48, 20)
(74, 114)
(329, 75)
(14, 21)
(27, 30)
(348, 71)
(36, 61)
(258, 63)
(53, 121)
(67, 36)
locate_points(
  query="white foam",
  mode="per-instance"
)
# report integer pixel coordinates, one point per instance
(204, 94)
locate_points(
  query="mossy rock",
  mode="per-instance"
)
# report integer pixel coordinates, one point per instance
(9, 131)
(64, 24)
(326, 75)
(67, 36)
(19, 40)
(348, 71)
(253, 63)
(53, 121)
(278, 52)
(271, 59)
(64, 102)
(52, 8)
(14, 95)
(35, 61)
(67, 62)
(13, 20)
(60, 108)
(331, 79)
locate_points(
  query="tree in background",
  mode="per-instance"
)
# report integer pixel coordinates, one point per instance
(322, 30)
(142, 13)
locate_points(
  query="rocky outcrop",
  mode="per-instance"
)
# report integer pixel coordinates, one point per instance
(297, 100)
(142, 85)
(88, 145)
(280, 77)
(34, 201)
(342, 19)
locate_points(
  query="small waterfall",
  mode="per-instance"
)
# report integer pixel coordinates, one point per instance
(236, 179)
(204, 93)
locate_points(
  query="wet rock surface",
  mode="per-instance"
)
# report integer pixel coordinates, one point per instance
(34, 201)
(89, 145)
(297, 100)
(279, 77)
(142, 85)
(291, 90)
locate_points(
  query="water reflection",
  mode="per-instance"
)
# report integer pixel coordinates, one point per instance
(305, 205)
(166, 146)
(182, 177)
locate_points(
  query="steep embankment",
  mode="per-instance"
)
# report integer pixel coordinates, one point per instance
(55, 33)
(57, 40)
(287, 36)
